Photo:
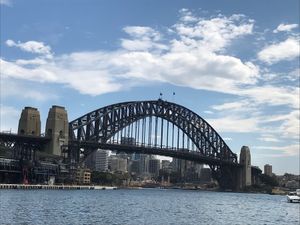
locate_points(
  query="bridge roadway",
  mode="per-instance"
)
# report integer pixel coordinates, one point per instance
(11, 137)
(185, 154)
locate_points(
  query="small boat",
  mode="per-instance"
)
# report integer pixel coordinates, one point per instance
(293, 197)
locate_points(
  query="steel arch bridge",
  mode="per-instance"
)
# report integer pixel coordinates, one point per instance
(153, 127)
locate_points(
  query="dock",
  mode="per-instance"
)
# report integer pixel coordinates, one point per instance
(55, 187)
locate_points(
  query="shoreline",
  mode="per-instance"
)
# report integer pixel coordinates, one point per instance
(55, 187)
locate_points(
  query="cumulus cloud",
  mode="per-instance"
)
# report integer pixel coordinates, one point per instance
(286, 50)
(32, 47)
(187, 16)
(187, 58)
(285, 27)
(142, 39)
(214, 34)
(294, 75)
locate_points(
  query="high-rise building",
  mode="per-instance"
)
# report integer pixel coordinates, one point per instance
(268, 170)
(117, 164)
(97, 160)
(166, 166)
(135, 166)
(101, 160)
(144, 163)
(154, 166)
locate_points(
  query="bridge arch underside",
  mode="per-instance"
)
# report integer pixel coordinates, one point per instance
(154, 127)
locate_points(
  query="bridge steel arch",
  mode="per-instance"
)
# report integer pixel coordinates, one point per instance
(100, 125)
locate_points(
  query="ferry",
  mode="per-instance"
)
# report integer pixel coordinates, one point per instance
(294, 196)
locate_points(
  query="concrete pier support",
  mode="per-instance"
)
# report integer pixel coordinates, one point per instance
(245, 172)
(30, 122)
(57, 128)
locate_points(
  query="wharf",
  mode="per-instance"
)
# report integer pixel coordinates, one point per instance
(55, 187)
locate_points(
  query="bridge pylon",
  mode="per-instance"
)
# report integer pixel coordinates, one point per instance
(30, 122)
(57, 128)
(245, 171)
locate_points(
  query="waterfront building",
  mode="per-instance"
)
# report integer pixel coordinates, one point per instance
(83, 176)
(268, 170)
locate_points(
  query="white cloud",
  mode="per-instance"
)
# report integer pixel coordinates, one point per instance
(290, 126)
(187, 16)
(26, 90)
(294, 75)
(273, 96)
(32, 46)
(268, 138)
(214, 34)
(286, 50)
(289, 150)
(8, 118)
(140, 60)
(142, 39)
(37, 73)
(237, 106)
(6, 2)
(234, 123)
(142, 32)
(285, 27)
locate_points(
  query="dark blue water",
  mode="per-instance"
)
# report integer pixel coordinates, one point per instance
(147, 206)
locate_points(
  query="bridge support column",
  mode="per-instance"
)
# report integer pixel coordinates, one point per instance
(245, 171)
(227, 177)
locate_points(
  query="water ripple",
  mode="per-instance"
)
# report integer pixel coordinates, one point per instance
(143, 207)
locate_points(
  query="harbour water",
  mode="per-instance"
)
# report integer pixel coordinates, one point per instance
(145, 206)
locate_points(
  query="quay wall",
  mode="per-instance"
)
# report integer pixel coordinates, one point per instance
(55, 187)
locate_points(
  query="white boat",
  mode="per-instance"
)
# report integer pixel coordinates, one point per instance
(293, 197)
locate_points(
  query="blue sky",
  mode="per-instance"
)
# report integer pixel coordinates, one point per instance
(234, 63)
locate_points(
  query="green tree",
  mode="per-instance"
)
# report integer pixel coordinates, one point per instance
(267, 180)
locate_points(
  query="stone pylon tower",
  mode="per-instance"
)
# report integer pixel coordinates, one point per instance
(30, 122)
(245, 160)
(57, 128)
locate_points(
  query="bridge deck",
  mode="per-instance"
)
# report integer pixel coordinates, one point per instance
(24, 138)
(145, 149)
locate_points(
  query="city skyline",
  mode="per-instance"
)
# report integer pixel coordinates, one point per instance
(235, 65)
